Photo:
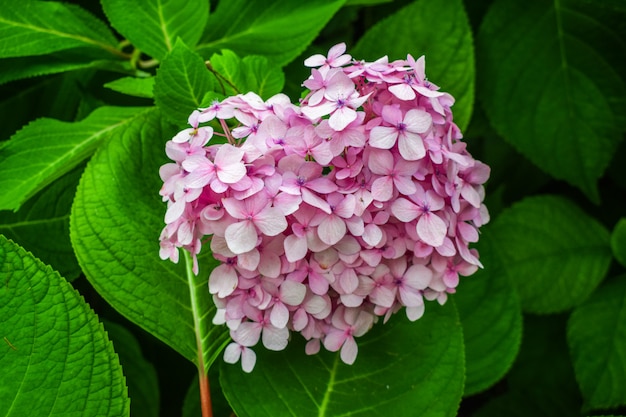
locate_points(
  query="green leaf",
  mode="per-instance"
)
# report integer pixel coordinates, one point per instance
(56, 359)
(491, 317)
(597, 339)
(280, 30)
(181, 82)
(141, 376)
(618, 241)
(153, 26)
(554, 253)
(402, 369)
(43, 225)
(132, 86)
(46, 149)
(438, 29)
(37, 28)
(541, 383)
(551, 86)
(252, 73)
(114, 226)
(62, 61)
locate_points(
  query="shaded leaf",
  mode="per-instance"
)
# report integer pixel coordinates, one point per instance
(141, 376)
(153, 26)
(181, 82)
(115, 224)
(402, 369)
(554, 253)
(597, 340)
(46, 149)
(40, 27)
(438, 29)
(618, 241)
(558, 59)
(491, 318)
(279, 30)
(541, 383)
(55, 357)
(43, 225)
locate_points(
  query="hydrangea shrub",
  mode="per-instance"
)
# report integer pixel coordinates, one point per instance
(314, 202)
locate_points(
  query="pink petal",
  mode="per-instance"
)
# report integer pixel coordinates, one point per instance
(241, 237)
(269, 265)
(249, 260)
(334, 339)
(404, 210)
(279, 315)
(232, 353)
(383, 137)
(318, 284)
(331, 229)
(403, 91)
(248, 333)
(431, 229)
(295, 247)
(341, 118)
(380, 162)
(418, 121)
(411, 146)
(223, 281)
(415, 313)
(349, 351)
(248, 359)
(404, 185)
(372, 234)
(275, 338)
(229, 165)
(418, 276)
(270, 221)
(292, 293)
(316, 60)
(382, 189)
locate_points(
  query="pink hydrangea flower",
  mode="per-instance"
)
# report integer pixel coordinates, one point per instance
(329, 215)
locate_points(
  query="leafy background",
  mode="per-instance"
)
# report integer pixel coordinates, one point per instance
(90, 92)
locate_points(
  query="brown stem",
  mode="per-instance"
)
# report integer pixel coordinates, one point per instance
(205, 394)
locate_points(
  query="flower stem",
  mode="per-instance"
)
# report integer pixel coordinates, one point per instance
(205, 394)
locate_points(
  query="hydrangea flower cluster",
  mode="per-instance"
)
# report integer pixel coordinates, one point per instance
(329, 214)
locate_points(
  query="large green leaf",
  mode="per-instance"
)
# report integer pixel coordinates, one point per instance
(43, 225)
(279, 30)
(597, 339)
(438, 29)
(491, 317)
(550, 81)
(402, 369)
(115, 224)
(46, 149)
(554, 253)
(153, 26)
(56, 359)
(31, 27)
(541, 383)
(141, 376)
(181, 82)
